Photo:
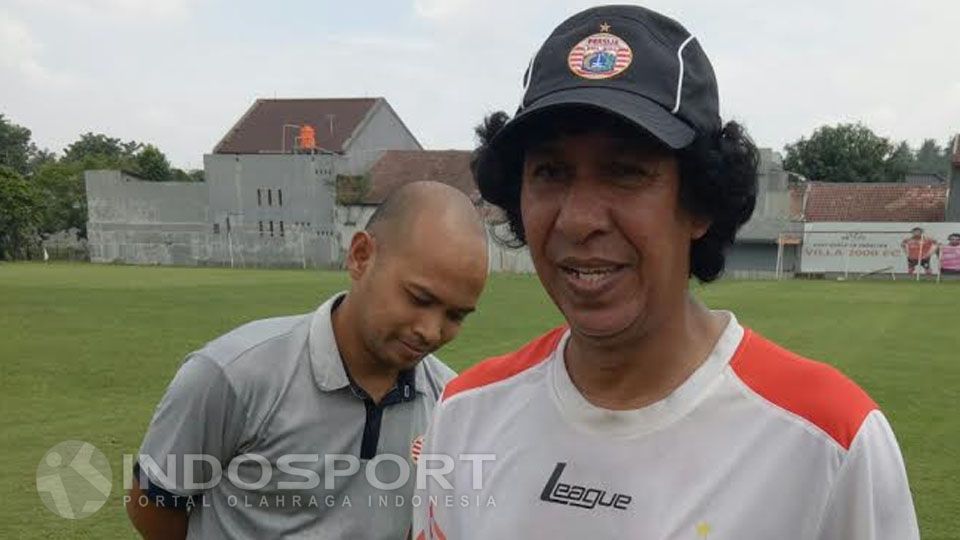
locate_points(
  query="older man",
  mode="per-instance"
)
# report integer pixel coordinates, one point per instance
(649, 415)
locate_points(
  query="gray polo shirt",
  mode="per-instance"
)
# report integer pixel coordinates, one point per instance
(272, 404)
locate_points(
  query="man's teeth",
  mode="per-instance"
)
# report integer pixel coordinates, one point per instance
(591, 274)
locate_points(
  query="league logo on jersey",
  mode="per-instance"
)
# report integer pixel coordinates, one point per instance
(415, 448)
(600, 56)
(579, 495)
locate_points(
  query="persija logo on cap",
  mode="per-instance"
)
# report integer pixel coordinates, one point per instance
(600, 56)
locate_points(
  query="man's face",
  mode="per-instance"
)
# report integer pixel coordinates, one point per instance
(413, 299)
(917, 233)
(606, 233)
(954, 240)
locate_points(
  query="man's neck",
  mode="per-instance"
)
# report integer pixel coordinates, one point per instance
(374, 377)
(645, 369)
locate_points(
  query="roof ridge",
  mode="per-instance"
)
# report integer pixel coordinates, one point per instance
(322, 99)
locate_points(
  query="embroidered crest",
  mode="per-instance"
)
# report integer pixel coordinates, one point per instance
(600, 56)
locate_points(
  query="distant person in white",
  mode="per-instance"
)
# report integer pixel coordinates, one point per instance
(649, 415)
(356, 378)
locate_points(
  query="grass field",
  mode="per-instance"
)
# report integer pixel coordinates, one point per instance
(87, 350)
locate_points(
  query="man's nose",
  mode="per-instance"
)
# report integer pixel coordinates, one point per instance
(583, 211)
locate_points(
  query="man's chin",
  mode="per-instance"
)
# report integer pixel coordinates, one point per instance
(602, 325)
(406, 359)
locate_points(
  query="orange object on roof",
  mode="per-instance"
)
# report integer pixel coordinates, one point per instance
(308, 137)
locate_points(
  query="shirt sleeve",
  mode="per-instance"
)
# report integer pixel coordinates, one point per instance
(871, 499)
(197, 421)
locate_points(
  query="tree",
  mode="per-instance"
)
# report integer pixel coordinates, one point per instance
(40, 158)
(19, 215)
(63, 196)
(843, 153)
(15, 146)
(931, 159)
(153, 165)
(180, 175)
(104, 151)
(900, 162)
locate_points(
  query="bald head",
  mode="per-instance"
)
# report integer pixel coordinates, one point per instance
(426, 212)
(417, 272)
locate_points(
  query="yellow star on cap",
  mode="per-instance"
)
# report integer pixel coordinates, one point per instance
(703, 529)
(604, 27)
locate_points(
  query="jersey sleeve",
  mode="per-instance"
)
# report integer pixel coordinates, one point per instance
(429, 518)
(198, 420)
(870, 499)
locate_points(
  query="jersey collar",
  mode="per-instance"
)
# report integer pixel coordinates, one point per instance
(328, 371)
(583, 414)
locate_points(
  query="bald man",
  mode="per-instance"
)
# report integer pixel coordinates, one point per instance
(306, 426)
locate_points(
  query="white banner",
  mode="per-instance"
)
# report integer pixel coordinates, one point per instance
(860, 248)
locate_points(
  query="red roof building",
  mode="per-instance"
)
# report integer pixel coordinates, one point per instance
(891, 202)
(336, 122)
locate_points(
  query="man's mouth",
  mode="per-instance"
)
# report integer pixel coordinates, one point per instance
(418, 351)
(591, 274)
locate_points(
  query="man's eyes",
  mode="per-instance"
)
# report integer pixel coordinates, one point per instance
(615, 170)
(547, 171)
(624, 169)
(418, 300)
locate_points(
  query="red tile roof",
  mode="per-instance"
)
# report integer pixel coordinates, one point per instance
(400, 167)
(825, 201)
(260, 129)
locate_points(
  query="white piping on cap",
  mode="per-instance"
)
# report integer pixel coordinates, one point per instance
(529, 74)
(527, 77)
(680, 78)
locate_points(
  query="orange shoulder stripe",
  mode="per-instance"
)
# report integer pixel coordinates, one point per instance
(812, 390)
(503, 367)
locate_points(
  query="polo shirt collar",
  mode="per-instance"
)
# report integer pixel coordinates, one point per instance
(326, 362)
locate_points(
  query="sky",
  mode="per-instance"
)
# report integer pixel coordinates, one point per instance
(179, 73)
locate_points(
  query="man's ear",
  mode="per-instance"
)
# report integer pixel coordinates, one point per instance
(362, 253)
(700, 227)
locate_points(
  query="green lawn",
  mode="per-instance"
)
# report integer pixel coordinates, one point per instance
(87, 350)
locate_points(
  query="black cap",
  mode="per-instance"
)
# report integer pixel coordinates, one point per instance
(626, 60)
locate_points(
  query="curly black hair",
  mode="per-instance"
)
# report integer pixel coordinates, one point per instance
(718, 178)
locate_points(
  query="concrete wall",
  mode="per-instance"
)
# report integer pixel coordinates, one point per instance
(134, 221)
(754, 260)
(223, 222)
(293, 188)
(177, 223)
(773, 198)
(272, 202)
(382, 131)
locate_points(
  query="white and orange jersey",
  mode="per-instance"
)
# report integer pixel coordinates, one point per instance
(757, 443)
